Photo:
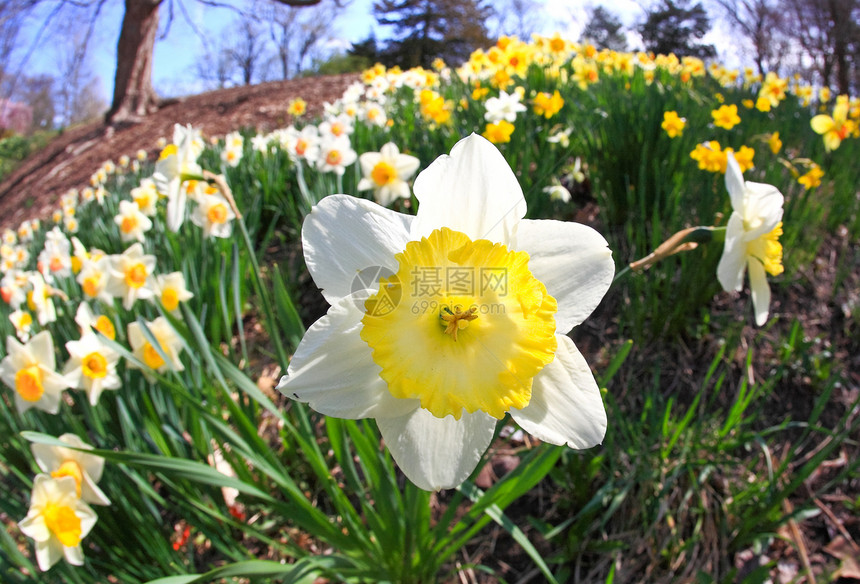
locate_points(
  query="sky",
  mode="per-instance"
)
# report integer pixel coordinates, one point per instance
(177, 55)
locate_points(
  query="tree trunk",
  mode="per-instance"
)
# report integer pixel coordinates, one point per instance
(133, 95)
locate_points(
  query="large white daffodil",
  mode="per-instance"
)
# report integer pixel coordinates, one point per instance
(468, 325)
(752, 238)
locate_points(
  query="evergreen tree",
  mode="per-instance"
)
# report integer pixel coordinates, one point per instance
(367, 49)
(427, 29)
(673, 26)
(604, 30)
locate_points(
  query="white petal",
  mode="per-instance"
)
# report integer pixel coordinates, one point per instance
(91, 493)
(760, 291)
(368, 160)
(765, 203)
(735, 182)
(573, 261)
(406, 165)
(389, 151)
(48, 553)
(730, 270)
(344, 235)
(34, 527)
(49, 402)
(42, 349)
(47, 457)
(176, 205)
(74, 555)
(333, 370)
(566, 406)
(473, 191)
(87, 516)
(437, 453)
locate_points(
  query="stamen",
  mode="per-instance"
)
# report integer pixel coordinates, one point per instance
(456, 320)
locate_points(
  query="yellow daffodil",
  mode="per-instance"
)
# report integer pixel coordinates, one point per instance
(386, 172)
(499, 132)
(710, 156)
(812, 178)
(467, 323)
(744, 157)
(772, 92)
(673, 124)
(29, 369)
(774, 142)
(434, 107)
(86, 469)
(833, 129)
(297, 107)
(547, 105)
(726, 116)
(752, 238)
(57, 521)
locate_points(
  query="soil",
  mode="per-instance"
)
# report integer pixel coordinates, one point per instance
(34, 188)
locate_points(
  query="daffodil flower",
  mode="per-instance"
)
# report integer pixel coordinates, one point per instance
(57, 521)
(168, 340)
(178, 162)
(386, 172)
(29, 369)
(23, 323)
(170, 289)
(146, 196)
(505, 107)
(132, 223)
(468, 325)
(86, 469)
(89, 322)
(752, 238)
(39, 299)
(834, 129)
(91, 366)
(214, 215)
(129, 273)
(94, 278)
(557, 192)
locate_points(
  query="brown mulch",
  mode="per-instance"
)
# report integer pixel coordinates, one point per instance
(34, 188)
